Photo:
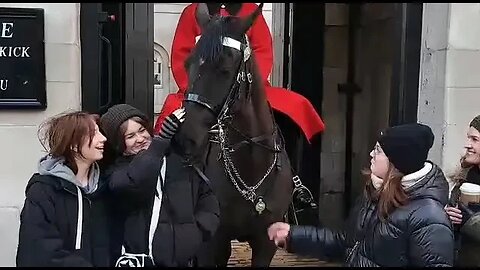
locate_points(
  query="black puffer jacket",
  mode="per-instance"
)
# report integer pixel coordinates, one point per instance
(467, 234)
(49, 225)
(189, 213)
(417, 234)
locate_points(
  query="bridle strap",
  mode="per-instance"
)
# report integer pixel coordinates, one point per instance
(255, 140)
(200, 100)
(202, 175)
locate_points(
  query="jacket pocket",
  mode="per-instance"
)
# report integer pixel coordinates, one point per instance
(163, 245)
(180, 202)
(188, 239)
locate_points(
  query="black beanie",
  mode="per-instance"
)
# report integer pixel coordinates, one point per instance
(115, 116)
(407, 146)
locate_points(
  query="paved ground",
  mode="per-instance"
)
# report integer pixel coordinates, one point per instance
(241, 258)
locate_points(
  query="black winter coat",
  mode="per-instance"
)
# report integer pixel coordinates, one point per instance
(189, 213)
(48, 226)
(418, 234)
(467, 234)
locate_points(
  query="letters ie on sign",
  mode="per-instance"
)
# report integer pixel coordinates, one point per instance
(22, 58)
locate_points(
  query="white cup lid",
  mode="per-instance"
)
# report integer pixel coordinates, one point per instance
(470, 189)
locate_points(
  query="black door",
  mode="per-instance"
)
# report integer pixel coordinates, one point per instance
(117, 55)
(303, 69)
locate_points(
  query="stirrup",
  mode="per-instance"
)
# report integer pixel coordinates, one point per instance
(302, 195)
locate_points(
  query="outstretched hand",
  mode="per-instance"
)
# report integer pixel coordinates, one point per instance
(278, 232)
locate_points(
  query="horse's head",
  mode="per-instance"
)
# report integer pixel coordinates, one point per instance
(217, 73)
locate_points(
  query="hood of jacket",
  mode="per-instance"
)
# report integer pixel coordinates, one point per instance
(62, 175)
(49, 165)
(433, 185)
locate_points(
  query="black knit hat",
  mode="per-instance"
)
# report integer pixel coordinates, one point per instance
(115, 116)
(476, 123)
(407, 146)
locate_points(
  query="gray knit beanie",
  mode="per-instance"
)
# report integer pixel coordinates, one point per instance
(115, 116)
(476, 123)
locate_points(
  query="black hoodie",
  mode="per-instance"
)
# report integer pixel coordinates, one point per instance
(417, 234)
(50, 217)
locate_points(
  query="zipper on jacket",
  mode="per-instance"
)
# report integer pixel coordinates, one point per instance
(88, 200)
(352, 251)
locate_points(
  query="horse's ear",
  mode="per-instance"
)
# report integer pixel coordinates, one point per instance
(248, 21)
(202, 16)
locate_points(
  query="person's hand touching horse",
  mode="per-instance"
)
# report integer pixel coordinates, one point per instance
(172, 123)
(278, 232)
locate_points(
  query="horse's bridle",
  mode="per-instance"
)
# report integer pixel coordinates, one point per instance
(243, 74)
(222, 115)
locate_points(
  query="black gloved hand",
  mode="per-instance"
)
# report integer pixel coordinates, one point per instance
(171, 124)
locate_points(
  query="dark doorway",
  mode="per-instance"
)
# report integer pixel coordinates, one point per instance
(404, 101)
(117, 55)
(303, 74)
(358, 87)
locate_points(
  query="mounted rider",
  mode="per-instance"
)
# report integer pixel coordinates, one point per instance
(295, 106)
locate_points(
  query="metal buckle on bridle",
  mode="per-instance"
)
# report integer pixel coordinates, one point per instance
(297, 182)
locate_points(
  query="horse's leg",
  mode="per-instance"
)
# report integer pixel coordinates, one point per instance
(263, 250)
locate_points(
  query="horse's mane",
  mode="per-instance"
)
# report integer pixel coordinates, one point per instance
(210, 45)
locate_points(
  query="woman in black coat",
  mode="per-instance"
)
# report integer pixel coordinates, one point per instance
(466, 217)
(65, 221)
(166, 210)
(399, 222)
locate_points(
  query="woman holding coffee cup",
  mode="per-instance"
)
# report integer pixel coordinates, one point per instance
(464, 206)
(399, 221)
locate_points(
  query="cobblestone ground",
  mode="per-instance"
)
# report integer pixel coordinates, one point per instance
(241, 258)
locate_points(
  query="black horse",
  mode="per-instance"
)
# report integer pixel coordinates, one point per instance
(230, 136)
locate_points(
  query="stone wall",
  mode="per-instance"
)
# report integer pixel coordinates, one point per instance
(333, 114)
(373, 72)
(449, 83)
(21, 149)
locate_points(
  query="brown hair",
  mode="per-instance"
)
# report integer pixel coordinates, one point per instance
(63, 135)
(460, 174)
(123, 128)
(390, 195)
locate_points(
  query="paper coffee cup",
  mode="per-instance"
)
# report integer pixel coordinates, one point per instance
(470, 193)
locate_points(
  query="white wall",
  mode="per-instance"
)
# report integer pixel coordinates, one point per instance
(165, 20)
(18, 129)
(431, 100)
(450, 78)
(462, 80)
